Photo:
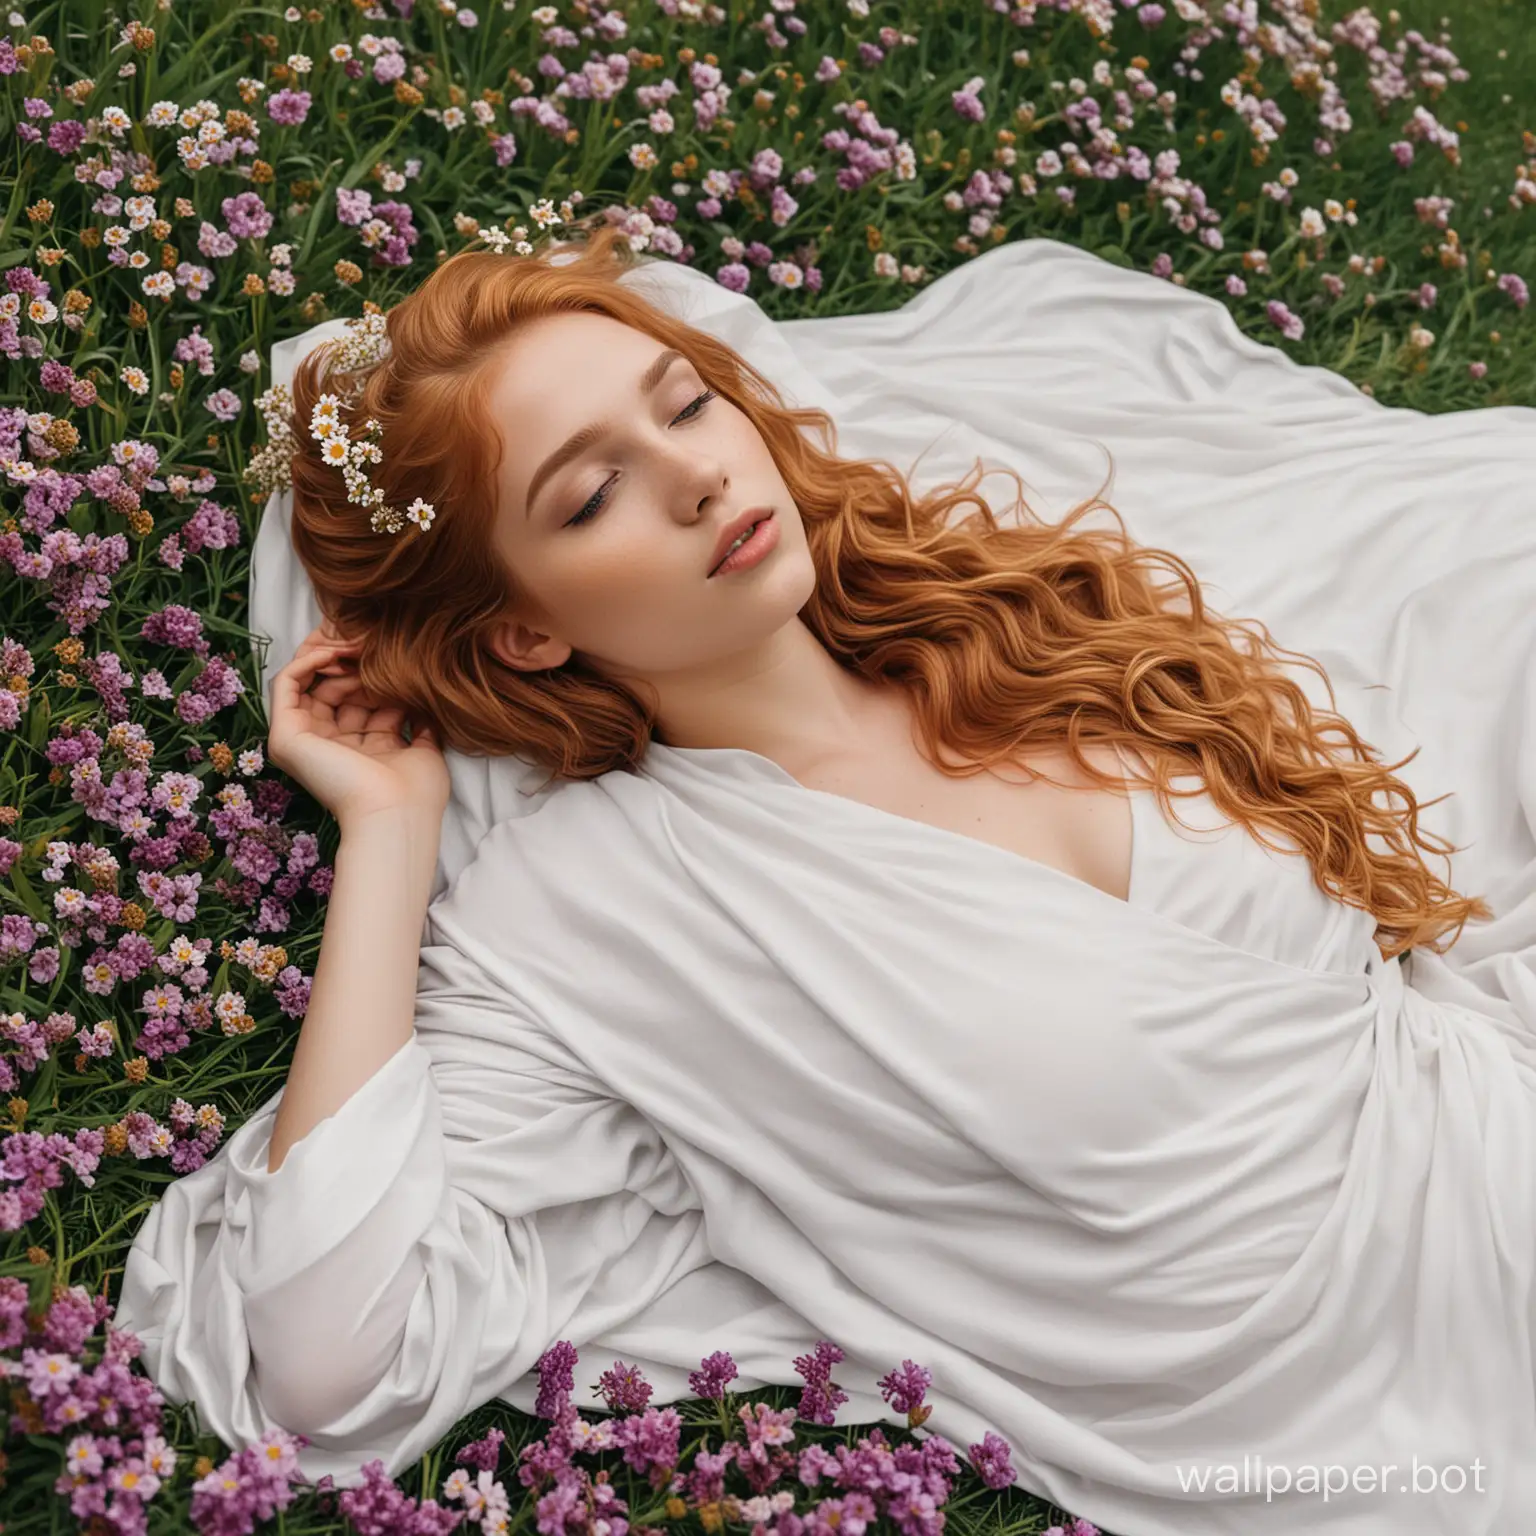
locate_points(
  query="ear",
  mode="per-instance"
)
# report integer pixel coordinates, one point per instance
(528, 649)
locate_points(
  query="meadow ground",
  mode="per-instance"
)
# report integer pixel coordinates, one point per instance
(187, 185)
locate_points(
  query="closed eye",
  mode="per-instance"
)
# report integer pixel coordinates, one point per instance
(600, 496)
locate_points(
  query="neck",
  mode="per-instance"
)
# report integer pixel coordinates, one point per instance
(789, 701)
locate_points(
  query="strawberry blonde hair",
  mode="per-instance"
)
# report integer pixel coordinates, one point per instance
(1008, 639)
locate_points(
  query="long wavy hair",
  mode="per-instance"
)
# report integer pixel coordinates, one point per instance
(1009, 639)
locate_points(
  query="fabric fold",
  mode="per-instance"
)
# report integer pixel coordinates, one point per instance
(385, 1136)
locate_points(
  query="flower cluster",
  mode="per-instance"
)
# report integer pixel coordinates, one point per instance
(341, 451)
(778, 1486)
(66, 1382)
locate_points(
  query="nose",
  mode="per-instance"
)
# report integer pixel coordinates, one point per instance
(701, 479)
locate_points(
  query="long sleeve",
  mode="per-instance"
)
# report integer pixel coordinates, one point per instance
(479, 1197)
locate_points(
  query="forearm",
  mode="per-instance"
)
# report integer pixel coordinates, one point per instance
(362, 1000)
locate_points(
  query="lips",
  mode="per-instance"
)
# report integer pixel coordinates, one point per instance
(734, 529)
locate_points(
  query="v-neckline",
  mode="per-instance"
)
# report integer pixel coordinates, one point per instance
(783, 776)
(1130, 908)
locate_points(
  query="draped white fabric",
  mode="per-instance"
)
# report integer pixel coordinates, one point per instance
(705, 1060)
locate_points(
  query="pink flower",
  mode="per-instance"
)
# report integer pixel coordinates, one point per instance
(1290, 325)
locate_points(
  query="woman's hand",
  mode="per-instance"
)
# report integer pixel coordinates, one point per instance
(345, 749)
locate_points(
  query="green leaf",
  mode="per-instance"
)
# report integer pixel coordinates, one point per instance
(191, 62)
(38, 717)
(27, 896)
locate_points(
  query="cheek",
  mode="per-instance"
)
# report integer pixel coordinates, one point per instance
(611, 580)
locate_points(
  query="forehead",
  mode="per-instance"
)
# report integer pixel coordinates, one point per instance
(558, 370)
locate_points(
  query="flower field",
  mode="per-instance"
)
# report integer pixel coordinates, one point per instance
(187, 183)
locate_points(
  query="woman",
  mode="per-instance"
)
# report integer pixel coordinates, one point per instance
(856, 954)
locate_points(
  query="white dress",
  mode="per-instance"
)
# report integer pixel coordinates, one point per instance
(1190, 1186)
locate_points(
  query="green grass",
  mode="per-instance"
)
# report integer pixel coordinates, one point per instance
(357, 132)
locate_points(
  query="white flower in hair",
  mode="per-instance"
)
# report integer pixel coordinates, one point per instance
(270, 467)
(365, 344)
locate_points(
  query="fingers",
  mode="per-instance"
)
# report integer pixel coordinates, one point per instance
(312, 656)
(335, 687)
(384, 722)
(310, 648)
(289, 684)
(330, 659)
(317, 672)
(352, 718)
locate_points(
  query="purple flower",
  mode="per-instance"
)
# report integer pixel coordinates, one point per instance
(1151, 15)
(195, 348)
(556, 1367)
(56, 376)
(215, 242)
(714, 1374)
(767, 166)
(819, 1401)
(967, 102)
(650, 1439)
(25, 281)
(624, 1389)
(66, 136)
(1516, 288)
(289, 107)
(389, 67)
(45, 1374)
(18, 933)
(990, 1459)
(175, 625)
(396, 249)
(734, 275)
(1291, 326)
(251, 1486)
(247, 216)
(223, 404)
(354, 205)
(903, 1389)
(483, 1455)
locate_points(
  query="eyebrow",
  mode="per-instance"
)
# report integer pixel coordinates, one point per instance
(578, 442)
